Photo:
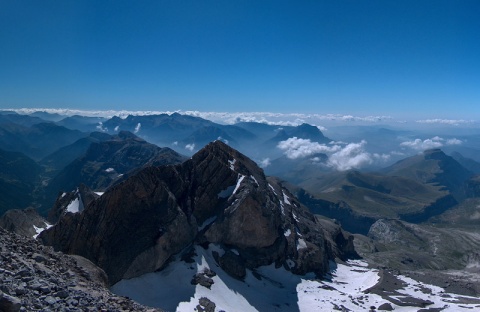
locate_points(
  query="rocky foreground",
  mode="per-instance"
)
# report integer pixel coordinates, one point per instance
(35, 278)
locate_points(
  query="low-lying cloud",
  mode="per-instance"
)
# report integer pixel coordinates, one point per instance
(137, 128)
(341, 157)
(190, 147)
(352, 156)
(295, 148)
(452, 122)
(435, 142)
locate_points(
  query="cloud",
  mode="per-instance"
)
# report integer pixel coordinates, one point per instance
(190, 147)
(352, 156)
(222, 139)
(454, 141)
(295, 148)
(137, 127)
(453, 122)
(100, 127)
(284, 119)
(264, 163)
(435, 142)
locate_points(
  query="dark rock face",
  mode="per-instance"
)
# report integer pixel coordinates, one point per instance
(35, 278)
(109, 162)
(219, 196)
(83, 194)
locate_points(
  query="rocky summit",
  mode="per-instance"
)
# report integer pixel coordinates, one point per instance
(218, 197)
(33, 277)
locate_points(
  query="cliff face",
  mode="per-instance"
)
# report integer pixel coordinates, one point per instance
(219, 197)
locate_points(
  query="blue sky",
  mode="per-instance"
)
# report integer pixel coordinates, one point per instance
(398, 58)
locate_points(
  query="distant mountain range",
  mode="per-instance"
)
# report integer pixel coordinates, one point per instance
(221, 224)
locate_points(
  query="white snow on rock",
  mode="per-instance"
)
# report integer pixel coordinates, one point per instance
(301, 244)
(254, 180)
(287, 233)
(295, 217)
(271, 187)
(232, 164)
(239, 181)
(75, 205)
(109, 170)
(274, 289)
(39, 230)
(99, 193)
(286, 199)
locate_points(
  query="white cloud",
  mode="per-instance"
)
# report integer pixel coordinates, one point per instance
(352, 156)
(222, 139)
(264, 163)
(435, 142)
(453, 122)
(100, 127)
(454, 141)
(190, 147)
(295, 148)
(284, 119)
(137, 127)
(175, 143)
(381, 157)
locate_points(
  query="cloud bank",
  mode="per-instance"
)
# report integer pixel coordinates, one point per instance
(435, 142)
(341, 157)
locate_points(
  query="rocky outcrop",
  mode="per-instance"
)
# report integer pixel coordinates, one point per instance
(35, 278)
(107, 163)
(218, 197)
(74, 201)
(23, 222)
(341, 211)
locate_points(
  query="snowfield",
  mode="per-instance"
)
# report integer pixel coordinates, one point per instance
(276, 289)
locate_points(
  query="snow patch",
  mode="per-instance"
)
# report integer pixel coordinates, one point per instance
(254, 180)
(39, 230)
(286, 199)
(295, 217)
(239, 181)
(301, 244)
(232, 164)
(99, 193)
(235, 252)
(273, 289)
(109, 170)
(75, 205)
(287, 233)
(271, 187)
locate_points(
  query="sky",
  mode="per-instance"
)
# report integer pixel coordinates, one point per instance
(406, 59)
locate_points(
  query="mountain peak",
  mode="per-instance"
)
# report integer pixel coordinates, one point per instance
(124, 135)
(435, 153)
(219, 196)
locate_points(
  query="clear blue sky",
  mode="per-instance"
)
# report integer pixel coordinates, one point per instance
(354, 57)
